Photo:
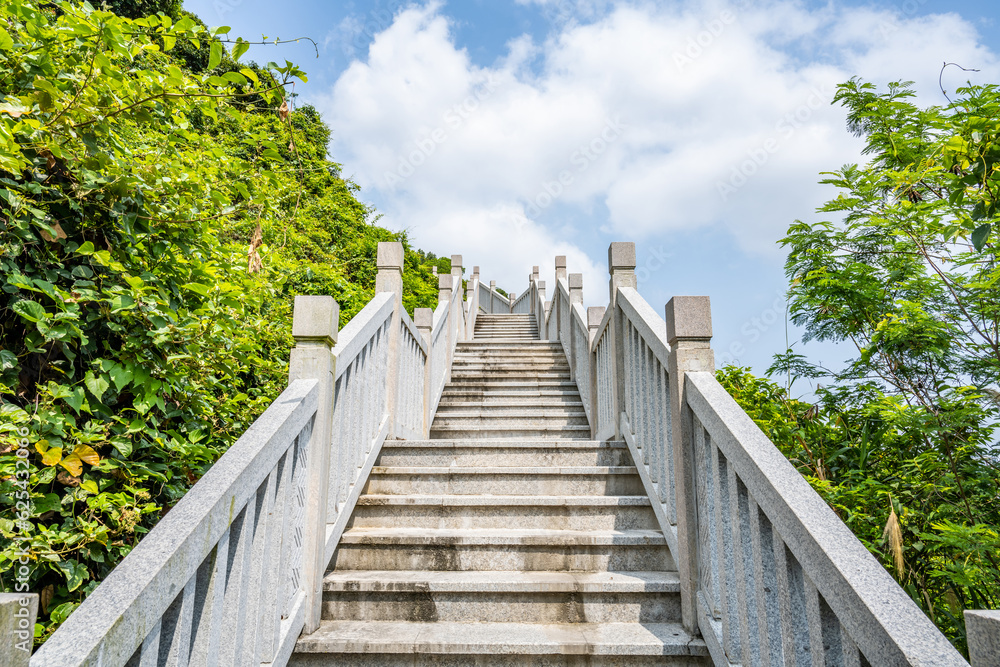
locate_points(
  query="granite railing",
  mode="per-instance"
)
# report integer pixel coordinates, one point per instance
(769, 574)
(493, 302)
(232, 575)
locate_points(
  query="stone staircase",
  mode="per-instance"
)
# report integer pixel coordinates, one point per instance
(508, 538)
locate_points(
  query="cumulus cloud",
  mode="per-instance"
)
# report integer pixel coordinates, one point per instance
(648, 119)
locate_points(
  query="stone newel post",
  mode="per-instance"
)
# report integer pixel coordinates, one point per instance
(315, 322)
(423, 318)
(18, 612)
(560, 268)
(459, 308)
(595, 315)
(689, 333)
(390, 279)
(621, 267)
(444, 296)
(575, 288)
(493, 289)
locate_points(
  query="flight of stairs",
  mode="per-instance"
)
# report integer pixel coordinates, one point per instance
(508, 538)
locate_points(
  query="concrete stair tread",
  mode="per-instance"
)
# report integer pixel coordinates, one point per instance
(505, 470)
(539, 405)
(500, 442)
(504, 501)
(500, 581)
(372, 637)
(496, 536)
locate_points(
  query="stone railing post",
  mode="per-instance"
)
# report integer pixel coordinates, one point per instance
(444, 296)
(982, 628)
(595, 315)
(18, 612)
(540, 317)
(575, 288)
(560, 268)
(423, 318)
(315, 321)
(689, 333)
(532, 279)
(434, 271)
(493, 288)
(390, 279)
(621, 267)
(457, 309)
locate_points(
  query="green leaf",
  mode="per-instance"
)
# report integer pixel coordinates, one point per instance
(75, 399)
(240, 48)
(980, 235)
(8, 360)
(122, 445)
(215, 55)
(30, 310)
(197, 288)
(96, 384)
(121, 376)
(50, 502)
(75, 573)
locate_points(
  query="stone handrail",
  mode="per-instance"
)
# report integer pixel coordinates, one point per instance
(772, 547)
(493, 302)
(233, 573)
(174, 594)
(769, 575)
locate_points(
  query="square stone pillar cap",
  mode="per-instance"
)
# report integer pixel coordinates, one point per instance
(621, 255)
(541, 284)
(444, 281)
(315, 318)
(560, 261)
(456, 263)
(423, 318)
(534, 270)
(575, 280)
(689, 318)
(390, 255)
(595, 314)
(475, 270)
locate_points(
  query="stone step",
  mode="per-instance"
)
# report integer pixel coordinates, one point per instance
(501, 549)
(511, 431)
(553, 420)
(511, 393)
(463, 378)
(481, 512)
(449, 644)
(502, 453)
(466, 346)
(520, 412)
(502, 597)
(505, 480)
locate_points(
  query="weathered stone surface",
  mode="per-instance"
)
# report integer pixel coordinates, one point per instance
(390, 255)
(689, 317)
(316, 318)
(983, 630)
(18, 612)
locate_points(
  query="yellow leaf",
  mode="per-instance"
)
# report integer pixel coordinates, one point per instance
(52, 456)
(87, 455)
(72, 464)
(41, 446)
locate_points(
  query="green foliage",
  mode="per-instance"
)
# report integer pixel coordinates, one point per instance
(908, 275)
(135, 345)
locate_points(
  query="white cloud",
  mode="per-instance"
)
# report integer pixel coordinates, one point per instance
(719, 117)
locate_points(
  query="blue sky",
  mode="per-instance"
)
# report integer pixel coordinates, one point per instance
(512, 131)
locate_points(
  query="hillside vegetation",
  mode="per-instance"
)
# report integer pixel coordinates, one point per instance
(160, 205)
(902, 441)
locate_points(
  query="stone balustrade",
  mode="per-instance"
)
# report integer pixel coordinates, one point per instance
(768, 574)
